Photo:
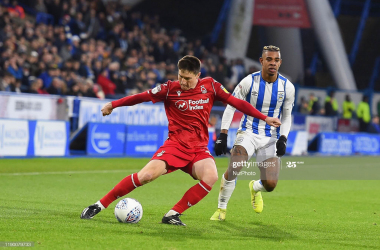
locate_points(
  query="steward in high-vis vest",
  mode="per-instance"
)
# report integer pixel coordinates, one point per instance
(364, 114)
(348, 107)
(312, 99)
(331, 105)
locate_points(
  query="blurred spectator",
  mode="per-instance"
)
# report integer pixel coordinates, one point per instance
(331, 105)
(57, 87)
(378, 108)
(16, 10)
(238, 72)
(364, 115)
(47, 76)
(14, 68)
(374, 126)
(32, 60)
(313, 105)
(107, 85)
(316, 108)
(14, 86)
(77, 26)
(86, 88)
(36, 87)
(40, 6)
(303, 106)
(7, 80)
(25, 77)
(348, 107)
(92, 23)
(74, 90)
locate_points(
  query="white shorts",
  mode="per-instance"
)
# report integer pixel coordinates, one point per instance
(264, 147)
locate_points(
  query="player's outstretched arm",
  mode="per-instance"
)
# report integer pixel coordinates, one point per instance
(243, 106)
(247, 108)
(125, 101)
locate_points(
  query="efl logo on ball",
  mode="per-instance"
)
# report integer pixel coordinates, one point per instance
(128, 210)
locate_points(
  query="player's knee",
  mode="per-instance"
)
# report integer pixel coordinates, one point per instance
(210, 179)
(270, 185)
(146, 177)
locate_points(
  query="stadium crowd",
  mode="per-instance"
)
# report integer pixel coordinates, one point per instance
(86, 48)
(350, 110)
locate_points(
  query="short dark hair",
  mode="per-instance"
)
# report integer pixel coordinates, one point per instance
(270, 48)
(190, 63)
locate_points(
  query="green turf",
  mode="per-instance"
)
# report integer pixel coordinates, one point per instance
(41, 206)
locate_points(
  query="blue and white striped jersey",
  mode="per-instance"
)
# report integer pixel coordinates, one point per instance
(272, 99)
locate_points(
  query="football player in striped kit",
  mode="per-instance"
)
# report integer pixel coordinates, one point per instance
(273, 95)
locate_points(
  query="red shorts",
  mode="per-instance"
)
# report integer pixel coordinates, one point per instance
(178, 157)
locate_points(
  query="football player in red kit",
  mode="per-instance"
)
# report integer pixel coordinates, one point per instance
(188, 104)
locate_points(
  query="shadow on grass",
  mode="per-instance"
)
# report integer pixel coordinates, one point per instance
(254, 230)
(212, 231)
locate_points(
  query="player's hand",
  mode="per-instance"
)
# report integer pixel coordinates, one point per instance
(281, 146)
(273, 121)
(221, 144)
(107, 109)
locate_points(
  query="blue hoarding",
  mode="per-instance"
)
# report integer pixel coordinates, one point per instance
(105, 138)
(348, 143)
(21, 138)
(144, 141)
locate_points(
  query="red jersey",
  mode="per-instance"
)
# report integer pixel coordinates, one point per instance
(188, 111)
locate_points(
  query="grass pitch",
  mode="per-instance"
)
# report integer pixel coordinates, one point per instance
(41, 201)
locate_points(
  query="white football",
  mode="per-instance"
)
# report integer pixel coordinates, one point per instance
(128, 210)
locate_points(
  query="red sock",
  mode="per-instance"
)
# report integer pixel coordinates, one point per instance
(125, 186)
(192, 197)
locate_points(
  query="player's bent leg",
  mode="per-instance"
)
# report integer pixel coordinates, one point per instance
(238, 154)
(203, 170)
(269, 173)
(150, 172)
(228, 182)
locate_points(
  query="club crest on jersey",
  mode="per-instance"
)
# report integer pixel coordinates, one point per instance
(182, 105)
(203, 89)
(240, 139)
(156, 90)
(179, 93)
(280, 96)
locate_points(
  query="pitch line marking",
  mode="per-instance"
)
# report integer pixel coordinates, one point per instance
(72, 172)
